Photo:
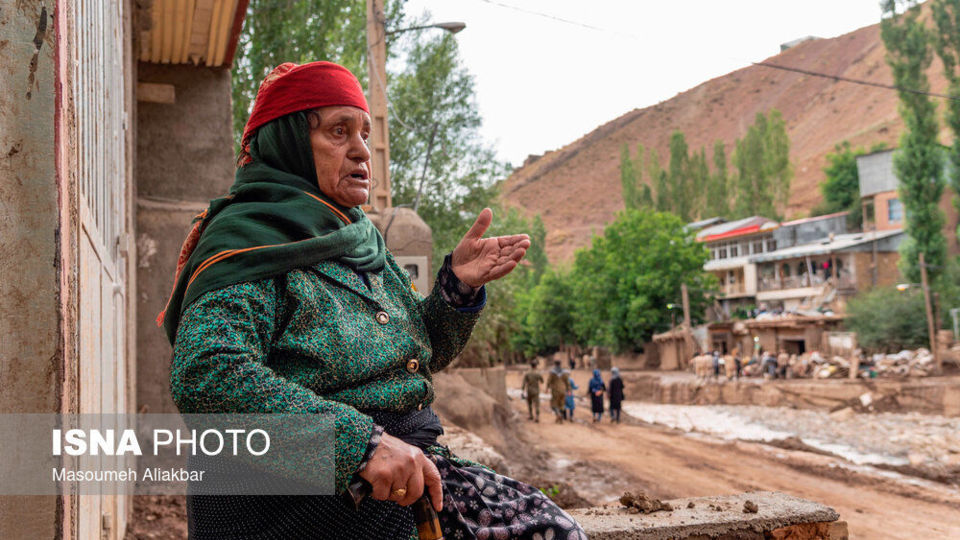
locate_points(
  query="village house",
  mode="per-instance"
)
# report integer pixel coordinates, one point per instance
(731, 244)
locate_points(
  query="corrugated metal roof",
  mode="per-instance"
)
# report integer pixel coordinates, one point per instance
(193, 32)
(739, 227)
(840, 242)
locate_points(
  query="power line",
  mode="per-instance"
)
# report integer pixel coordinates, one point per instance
(555, 18)
(855, 81)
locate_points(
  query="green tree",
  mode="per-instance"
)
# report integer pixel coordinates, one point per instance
(434, 116)
(623, 282)
(545, 315)
(678, 176)
(888, 320)
(659, 179)
(946, 17)
(918, 163)
(636, 193)
(299, 31)
(762, 163)
(699, 172)
(841, 186)
(629, 179)
(717, 196)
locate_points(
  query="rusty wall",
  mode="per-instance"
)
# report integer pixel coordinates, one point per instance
(30, 367)
(184, 159)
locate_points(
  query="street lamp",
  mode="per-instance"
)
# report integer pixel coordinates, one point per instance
(453, 27)
(377, 66)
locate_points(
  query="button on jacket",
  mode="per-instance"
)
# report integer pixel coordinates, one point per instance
(317, 340)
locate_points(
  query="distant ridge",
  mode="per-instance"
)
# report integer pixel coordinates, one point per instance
(576, 189)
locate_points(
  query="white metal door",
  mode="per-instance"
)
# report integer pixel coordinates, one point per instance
(98, 93)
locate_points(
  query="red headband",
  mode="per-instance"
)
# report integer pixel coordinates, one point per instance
(290, 88)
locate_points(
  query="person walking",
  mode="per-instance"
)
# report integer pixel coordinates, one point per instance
(616, 394)
(531, 389)
(596, 389)
(568, 402)
(558, 390)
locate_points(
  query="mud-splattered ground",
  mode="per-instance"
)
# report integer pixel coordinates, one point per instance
(671, 463)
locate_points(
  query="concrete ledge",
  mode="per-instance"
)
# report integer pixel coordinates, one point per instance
(779, 516)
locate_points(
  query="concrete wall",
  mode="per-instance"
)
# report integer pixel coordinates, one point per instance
(809, 231)
(30, 349)
(876, 173)
(185, 157)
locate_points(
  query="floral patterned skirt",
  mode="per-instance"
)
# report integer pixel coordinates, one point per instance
(479, 503)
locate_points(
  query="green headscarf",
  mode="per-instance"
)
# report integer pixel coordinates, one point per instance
(274, 220)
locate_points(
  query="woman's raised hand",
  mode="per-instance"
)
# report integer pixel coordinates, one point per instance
(477, 260)
(400, 472)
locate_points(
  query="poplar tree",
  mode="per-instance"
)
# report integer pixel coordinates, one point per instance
(681, 188)
(946, 16)
(763, 171)
(918, 163)
(717, 198)
(629, 180)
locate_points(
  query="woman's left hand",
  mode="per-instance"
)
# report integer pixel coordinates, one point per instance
(477, 260)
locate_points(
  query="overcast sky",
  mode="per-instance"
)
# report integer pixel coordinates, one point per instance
(542, 83)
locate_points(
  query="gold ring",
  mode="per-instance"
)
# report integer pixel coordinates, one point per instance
(399, 492)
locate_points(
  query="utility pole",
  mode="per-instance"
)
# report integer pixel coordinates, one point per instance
(687, 334)
(929, 307)
(380, 136)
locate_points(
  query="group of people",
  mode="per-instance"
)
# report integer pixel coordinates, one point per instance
(561, 386)
(765, 364)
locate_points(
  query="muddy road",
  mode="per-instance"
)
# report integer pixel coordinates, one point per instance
(671, 463)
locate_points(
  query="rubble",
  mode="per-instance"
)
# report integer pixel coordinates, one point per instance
(906, 363)
(643, 503)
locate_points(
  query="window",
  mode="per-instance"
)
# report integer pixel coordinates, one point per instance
(758, 246)
(771, 244)
(722, 252)
(734, 249)
(894, 211)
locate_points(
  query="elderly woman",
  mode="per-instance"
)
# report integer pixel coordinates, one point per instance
(287, 301)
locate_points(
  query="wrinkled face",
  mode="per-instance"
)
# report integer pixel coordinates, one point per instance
(338, 137)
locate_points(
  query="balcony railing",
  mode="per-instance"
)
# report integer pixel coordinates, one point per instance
(806, 280)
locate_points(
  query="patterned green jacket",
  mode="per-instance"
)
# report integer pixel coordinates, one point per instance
(317, 340)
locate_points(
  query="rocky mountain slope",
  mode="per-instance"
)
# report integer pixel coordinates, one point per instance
(576, 189)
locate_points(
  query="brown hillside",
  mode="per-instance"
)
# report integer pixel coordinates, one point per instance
(577, 189)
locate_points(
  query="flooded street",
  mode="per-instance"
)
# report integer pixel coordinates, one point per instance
(882, 438)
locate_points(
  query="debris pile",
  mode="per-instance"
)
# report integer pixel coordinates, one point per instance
(906, 363)
(643, 503)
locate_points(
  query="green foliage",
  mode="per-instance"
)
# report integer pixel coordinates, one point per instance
(841, 188)
(717, 191)
(635, 194)
(918, 163)
(621, 285)
(946, 17)
(494, 331)
(299, 31)
(888, 320)
(434, 114)
(689, 189)
(545, 315)
(762, 163)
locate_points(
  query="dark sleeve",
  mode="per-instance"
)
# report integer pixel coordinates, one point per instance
(219, 366)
